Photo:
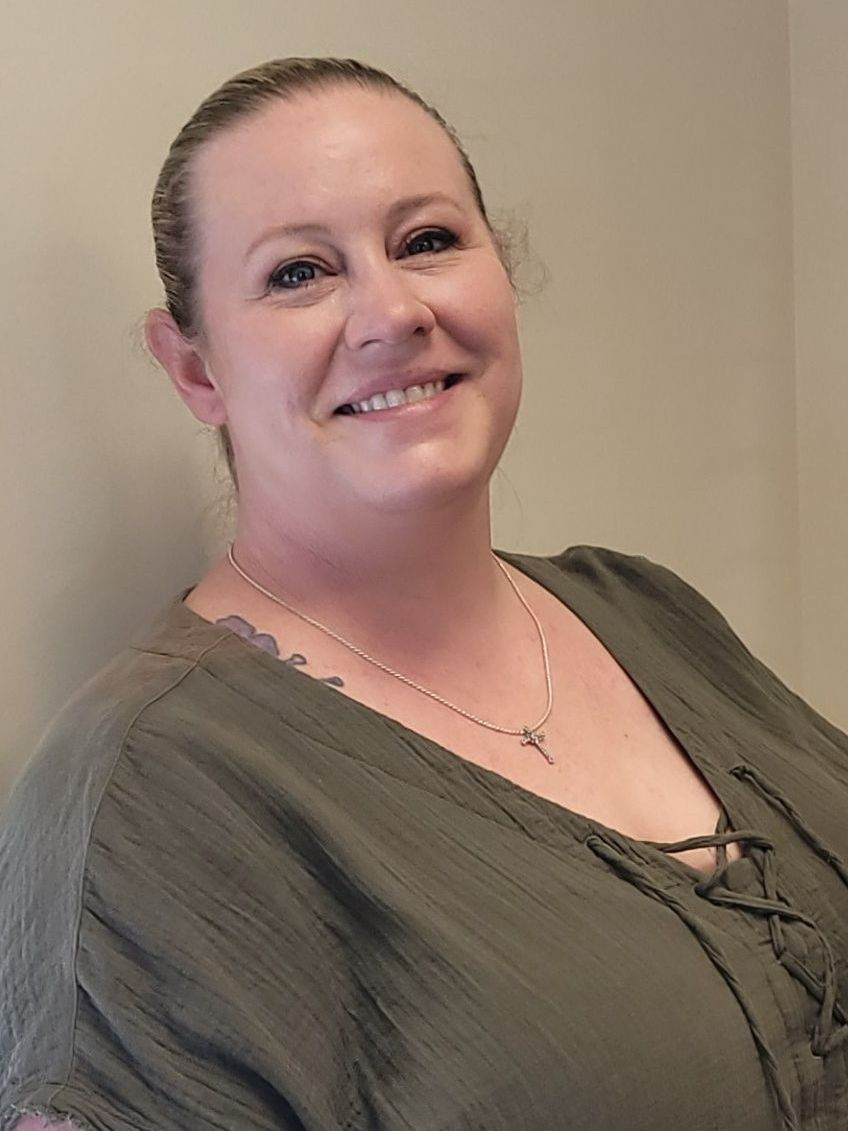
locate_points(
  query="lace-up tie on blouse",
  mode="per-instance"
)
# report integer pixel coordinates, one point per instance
(831, 1027)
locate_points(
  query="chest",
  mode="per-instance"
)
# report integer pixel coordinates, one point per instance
(614, 758)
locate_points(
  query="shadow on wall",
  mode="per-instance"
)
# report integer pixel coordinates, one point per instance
(114, 504)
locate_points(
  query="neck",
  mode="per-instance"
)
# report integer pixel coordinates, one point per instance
(397, 587)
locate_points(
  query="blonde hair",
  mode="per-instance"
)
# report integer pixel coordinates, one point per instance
(236, 99)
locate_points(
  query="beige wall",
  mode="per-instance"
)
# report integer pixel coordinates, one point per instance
(820, 160)
(647, 144)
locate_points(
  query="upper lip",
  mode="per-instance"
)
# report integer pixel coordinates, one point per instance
(399, 379)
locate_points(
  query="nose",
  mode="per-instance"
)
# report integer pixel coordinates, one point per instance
(384, 307)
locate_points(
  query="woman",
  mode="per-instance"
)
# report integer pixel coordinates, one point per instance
(375, 828)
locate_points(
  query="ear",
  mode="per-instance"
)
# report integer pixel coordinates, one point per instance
(182, 361)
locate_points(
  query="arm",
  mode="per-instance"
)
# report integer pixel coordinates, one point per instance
(38, 1123)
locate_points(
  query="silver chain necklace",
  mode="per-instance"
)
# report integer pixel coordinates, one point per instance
(530, 736)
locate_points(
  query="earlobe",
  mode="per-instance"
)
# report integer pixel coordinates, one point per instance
(183, 362)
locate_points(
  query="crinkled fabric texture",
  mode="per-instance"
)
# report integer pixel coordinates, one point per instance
(233, 898)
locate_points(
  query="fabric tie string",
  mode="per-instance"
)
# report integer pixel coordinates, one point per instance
(636, 875)
(831, 1028)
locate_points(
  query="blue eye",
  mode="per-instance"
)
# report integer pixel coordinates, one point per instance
(435, 239)
(301, 273)
(293, 276)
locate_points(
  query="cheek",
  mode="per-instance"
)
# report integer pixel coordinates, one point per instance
(488, 315)
(494, 327)
(270, 358)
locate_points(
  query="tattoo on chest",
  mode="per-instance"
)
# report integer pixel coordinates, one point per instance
(267, 643)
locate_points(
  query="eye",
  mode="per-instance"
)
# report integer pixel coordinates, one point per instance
(434, 239)
(293, 276)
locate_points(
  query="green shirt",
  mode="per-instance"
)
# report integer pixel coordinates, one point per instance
(233, 897)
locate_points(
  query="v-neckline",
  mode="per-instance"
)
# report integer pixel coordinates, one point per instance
(612, 634)
(554, 580)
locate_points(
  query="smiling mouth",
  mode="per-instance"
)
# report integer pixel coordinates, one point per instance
(393, 398)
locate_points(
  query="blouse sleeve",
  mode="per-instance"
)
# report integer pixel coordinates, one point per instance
(167, 968)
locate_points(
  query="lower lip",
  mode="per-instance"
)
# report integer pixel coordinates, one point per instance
(409, 408)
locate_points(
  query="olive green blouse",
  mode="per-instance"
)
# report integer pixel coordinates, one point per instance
(233, 897)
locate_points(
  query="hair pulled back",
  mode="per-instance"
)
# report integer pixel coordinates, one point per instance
(238, 98)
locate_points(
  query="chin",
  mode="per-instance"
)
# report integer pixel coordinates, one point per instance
(429, 489)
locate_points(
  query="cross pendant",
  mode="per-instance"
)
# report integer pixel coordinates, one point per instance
(535, 738)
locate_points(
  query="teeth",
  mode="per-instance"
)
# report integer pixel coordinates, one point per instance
(395, 397)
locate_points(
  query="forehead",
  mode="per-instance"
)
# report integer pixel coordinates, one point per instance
(323, 155)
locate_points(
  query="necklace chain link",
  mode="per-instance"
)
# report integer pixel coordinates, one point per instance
(532, 736)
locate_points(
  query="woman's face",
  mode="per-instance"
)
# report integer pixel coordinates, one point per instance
(340, 255)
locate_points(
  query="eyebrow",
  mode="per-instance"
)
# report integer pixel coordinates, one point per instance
(399, 209)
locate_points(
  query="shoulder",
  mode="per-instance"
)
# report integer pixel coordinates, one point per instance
(141, 849)
(76, 755)
(670, 607)
(633, 577)
(651, 619)
(629, 596)
(634, 585)
(114, 764)
(45, 834)
(664, 624)
(48, 823)
(680, 629)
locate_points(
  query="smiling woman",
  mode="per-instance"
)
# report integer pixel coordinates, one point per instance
(377, 828)
(343, 284)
